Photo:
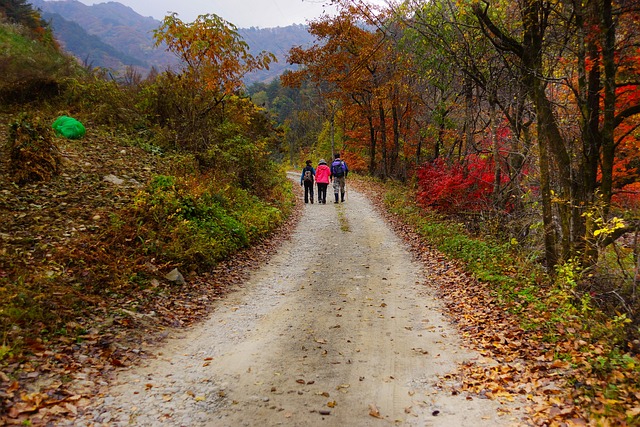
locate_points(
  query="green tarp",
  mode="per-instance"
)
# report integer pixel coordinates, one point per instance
(68, 127)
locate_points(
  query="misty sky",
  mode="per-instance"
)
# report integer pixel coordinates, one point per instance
(241, 13)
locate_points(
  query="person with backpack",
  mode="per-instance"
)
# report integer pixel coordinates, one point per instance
(339, 172)
(323, 172)
(307, 179)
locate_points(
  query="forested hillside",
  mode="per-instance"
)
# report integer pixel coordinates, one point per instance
(112, 24)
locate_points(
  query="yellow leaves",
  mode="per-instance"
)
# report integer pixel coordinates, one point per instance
(343, 388)
(609, 227)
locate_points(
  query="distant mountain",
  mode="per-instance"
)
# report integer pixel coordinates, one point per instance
(90, 49)
(278, 41)
(112, 23)
(113, 36)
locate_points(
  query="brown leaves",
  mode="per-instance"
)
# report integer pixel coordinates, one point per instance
(34, 155)
(40, 406)
(374, 411)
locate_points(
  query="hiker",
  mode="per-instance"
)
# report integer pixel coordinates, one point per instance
(306, 179)
(323, 172)
(339, 171)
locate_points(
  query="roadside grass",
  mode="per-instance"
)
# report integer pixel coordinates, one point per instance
(602, 377)
(342, 219)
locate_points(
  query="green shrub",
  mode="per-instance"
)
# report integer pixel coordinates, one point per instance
(190, 222)
(104, 102)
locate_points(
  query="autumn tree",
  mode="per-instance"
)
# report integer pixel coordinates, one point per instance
(581, 35)
(357, 67)
(215, 59)
(215, 55)
(472, 91)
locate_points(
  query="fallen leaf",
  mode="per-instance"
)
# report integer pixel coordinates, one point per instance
(373, 411)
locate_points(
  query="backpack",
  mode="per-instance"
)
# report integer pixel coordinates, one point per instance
(337, 168)
(308, 176)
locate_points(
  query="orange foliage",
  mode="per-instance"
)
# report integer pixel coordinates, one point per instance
(215, 54)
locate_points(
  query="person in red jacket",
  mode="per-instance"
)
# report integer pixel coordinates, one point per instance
(322, 180)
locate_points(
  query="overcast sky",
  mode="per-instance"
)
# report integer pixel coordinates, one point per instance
(241, 13)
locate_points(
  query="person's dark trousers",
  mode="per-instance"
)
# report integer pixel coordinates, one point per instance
(308, 192)
(322, 192)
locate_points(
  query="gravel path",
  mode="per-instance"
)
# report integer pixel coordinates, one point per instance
(340, 328)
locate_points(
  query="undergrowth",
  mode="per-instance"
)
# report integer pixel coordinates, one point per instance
(188, 221)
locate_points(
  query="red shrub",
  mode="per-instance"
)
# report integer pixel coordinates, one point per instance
(456, 187)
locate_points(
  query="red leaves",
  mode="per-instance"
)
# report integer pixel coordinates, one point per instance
(456, 187)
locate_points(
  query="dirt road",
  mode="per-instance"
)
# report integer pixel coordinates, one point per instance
(340, 328)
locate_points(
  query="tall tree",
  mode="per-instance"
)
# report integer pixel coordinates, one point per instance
(216, 56)
(355, 65)
(215, 59)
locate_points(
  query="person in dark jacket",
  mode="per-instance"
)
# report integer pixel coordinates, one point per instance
(307, 179)
(339, 172)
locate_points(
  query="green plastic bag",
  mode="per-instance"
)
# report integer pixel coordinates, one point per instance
(68, 127)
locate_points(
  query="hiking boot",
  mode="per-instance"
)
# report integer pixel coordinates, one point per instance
(342, 197)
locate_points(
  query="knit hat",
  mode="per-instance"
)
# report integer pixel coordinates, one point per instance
(322, 162)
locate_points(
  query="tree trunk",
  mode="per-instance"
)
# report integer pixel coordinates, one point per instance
(551, 254)
(608, 125)
(383, 139)
(396, 134)
(372, 146)
(497, 174)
